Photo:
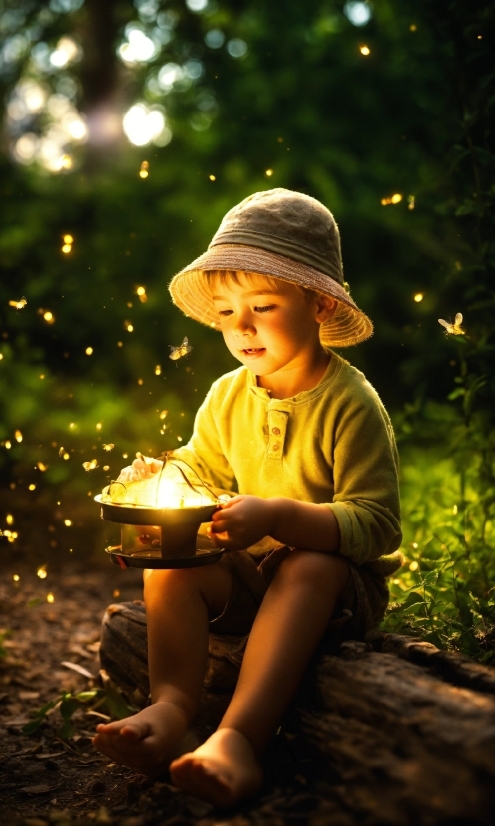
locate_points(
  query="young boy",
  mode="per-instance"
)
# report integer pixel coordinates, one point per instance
(305, 440)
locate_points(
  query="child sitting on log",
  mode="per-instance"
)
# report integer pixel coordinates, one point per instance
(305, 440)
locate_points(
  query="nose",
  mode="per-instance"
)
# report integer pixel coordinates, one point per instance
(243, 325)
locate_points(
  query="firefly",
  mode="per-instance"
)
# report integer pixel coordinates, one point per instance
(396, 198)
(68, 241)
(182, 350)
(90, 465)
(454, 329)
(108, 447)
(19, 305)
(144, 171)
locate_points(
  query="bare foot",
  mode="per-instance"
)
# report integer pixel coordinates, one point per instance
(222, 771)
(147, 741)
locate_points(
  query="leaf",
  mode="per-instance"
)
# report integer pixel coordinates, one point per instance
(79, 668)
(86, 696)
(413, 597)
(116, 704)
(39, 788)
(67, 730)
(430, 578)
(67, 707)
(33, 726)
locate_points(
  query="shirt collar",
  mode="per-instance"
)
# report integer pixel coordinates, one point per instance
(304, 396)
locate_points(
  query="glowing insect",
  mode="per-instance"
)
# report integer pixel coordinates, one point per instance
(61, 451)
(90, 465)
(454, 329)
(109, 447)
(183, 350)
(19, 305)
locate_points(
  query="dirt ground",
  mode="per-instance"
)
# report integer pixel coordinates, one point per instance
(45, 779)
(41, 774)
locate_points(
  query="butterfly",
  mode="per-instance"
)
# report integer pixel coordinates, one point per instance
(183, 350)
(90, 465)
(109, 447)
(19, 305)
(454, 329)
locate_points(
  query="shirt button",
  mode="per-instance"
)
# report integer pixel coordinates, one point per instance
(276, 446)
(276, 431)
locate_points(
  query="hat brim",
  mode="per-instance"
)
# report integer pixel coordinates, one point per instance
(191, 292)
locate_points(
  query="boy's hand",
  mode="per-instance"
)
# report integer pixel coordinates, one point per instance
(241, 522)
(141, 468)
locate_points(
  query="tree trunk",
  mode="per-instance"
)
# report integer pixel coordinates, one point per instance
(392, 731)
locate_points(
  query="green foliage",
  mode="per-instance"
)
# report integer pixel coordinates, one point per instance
(448, 449)
(104, 699)
(446, 591)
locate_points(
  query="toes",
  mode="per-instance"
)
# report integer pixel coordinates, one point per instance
(131, 731)
(201, 779)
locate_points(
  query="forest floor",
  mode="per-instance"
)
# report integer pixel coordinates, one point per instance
(45, 779)
(42, 775)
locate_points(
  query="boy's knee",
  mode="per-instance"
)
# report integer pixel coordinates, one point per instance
(213, 583)
(314, 567)
(177, 578)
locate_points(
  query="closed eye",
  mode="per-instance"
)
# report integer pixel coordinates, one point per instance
(265, 309)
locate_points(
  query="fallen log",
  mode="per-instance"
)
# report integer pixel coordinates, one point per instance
(392, 731)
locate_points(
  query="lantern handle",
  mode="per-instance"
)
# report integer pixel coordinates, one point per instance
(187, 481)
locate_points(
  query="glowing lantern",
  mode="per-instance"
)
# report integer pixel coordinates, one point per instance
(160, 518)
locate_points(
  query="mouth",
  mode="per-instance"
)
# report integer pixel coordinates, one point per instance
(253, 351)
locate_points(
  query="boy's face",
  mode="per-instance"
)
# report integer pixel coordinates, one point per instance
(269, 329)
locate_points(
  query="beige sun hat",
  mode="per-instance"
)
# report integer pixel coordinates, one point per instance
(282, 234)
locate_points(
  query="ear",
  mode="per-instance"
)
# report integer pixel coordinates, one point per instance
(325, 307)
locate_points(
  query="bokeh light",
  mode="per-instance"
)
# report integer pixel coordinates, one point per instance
(357, 13)
(144, 125)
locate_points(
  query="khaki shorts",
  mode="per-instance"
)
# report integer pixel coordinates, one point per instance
(360, 607)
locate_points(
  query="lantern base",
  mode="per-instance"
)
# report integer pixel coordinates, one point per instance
(156, 560)
(206, 554)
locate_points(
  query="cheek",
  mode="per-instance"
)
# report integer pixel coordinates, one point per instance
(228, 339)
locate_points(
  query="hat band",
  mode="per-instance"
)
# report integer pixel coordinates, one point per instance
(282, 246)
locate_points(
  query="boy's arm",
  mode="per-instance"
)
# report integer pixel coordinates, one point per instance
(365, 471)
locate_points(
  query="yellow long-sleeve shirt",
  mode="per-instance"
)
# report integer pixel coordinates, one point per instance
(332, 445)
